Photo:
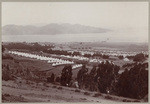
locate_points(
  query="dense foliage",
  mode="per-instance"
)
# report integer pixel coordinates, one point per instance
(3, 49)
(139, 57)
(58, 52)
(120, 57)
(66, 75)
(100, 78)
(25, 46)
(133, 83)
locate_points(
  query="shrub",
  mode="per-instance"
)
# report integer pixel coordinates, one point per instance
(139, 57)
(60, 88)
(7, 56)
(45, 84)
(105, 56)
(54, 87)
(125, 100)
(87, 55)
(108, 97)
(136, 101)
(86, 93)
(83, 98)
(6, 74)
(120, 57)
(77, 90)
(97, 95)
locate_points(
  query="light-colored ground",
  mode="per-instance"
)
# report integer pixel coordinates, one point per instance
(21, 91)
(45, 93)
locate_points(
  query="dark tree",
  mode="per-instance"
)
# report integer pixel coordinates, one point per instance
(57, 79)
(81, 75)
(87, 55)
(106, 75)
(3, 49)
(120, 57)
(133, 83)
(139, 57)
(105, 56)
(66, 75)
(52, 77)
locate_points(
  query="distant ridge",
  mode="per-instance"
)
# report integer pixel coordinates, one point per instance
(50, 29)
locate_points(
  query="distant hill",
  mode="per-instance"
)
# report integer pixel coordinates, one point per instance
(51, 29)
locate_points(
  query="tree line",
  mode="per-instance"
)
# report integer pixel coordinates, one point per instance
(48, 49)
(104, 78)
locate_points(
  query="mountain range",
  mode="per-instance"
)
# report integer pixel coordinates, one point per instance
(50, 29)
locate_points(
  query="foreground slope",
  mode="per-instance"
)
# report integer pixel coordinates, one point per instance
(27, 91)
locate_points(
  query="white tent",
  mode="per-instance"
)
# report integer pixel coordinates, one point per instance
(126, 59)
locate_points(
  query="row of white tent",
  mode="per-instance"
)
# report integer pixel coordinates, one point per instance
(75, 57)
(53, 61)
(61, 63)
(56, 61)
(83, 58)
(119, 54)
(95, 60)
(90, 60)
(100, 61)
(76, 66)
(87, 59)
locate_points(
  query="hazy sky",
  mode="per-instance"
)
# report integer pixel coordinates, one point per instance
(125, 16)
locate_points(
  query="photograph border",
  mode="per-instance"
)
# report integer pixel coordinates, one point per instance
(73, 1)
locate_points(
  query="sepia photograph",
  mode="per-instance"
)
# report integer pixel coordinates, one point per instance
(76, 52)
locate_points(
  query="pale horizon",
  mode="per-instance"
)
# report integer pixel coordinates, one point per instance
(127, 20)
